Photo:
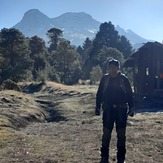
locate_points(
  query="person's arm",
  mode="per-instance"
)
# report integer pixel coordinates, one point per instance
(99, 96)
(130, 98)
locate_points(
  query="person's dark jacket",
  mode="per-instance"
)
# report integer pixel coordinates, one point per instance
(114, 91)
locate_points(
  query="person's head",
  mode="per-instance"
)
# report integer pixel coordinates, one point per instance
(113, 67)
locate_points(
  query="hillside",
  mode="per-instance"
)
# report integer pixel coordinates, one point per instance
(55, 123)
(76, 27)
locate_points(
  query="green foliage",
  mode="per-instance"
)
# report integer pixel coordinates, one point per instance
(41, 75)
(53, 74)
(54, 36)
(33, 87)
(84, 52)
(125, 47)
(39, 54)
(107, 37)
(106, 54)
(10, 85)
(29, 59)
(66, 61)
(95, 74)
(87, 47)
(14, 50)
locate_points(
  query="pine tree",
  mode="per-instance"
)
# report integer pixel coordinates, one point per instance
(14, 48)
(54, 36)
(66, 61)
(39, 54)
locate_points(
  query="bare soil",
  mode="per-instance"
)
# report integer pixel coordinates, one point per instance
(56, 124)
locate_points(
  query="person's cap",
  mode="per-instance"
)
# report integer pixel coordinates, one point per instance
(114, 62)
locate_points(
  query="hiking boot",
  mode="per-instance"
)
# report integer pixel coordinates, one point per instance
(121, 161)
(104, 155)
(121, 154)
(104, 160)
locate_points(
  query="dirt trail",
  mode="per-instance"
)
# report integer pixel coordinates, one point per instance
(72, 133)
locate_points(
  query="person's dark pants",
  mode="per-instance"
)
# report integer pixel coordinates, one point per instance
(114, 114)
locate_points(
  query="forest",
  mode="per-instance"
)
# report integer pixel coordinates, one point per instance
(32, 59)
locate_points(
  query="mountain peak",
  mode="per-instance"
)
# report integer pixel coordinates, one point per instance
(78, 17)
(76, 20)
(34, 22)
(76, 26)
(76, 14)
(34, 13)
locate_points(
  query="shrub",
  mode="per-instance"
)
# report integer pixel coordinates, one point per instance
(96, 74)
(10, 85)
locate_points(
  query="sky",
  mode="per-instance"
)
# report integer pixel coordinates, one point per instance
(144, 17)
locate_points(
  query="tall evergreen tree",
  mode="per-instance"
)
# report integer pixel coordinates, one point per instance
(125, 47)
(84, 52)
(80, 51)
(66, 61)
(39, 54)
(87, 47)
(107, 36)
(54, 35)
(14, 48)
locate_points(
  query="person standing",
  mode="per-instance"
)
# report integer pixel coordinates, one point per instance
(115, 96)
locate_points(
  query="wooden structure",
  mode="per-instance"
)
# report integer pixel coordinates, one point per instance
(147, 64)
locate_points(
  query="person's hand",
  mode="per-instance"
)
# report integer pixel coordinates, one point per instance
(97, 111)
(131, 112)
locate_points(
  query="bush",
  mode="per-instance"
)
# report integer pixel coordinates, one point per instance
(10, 85)
(96, 74)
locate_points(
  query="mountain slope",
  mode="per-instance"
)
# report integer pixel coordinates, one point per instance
(76, 27)
(34, 23)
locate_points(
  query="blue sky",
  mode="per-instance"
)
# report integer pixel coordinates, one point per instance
(144, 17)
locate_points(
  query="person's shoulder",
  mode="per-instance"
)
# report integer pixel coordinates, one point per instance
(123, 76)
(105, 76)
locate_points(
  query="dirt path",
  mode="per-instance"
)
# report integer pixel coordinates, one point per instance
(72, 133)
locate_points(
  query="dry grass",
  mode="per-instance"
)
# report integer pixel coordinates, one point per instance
(72, 132)
(17, 109)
